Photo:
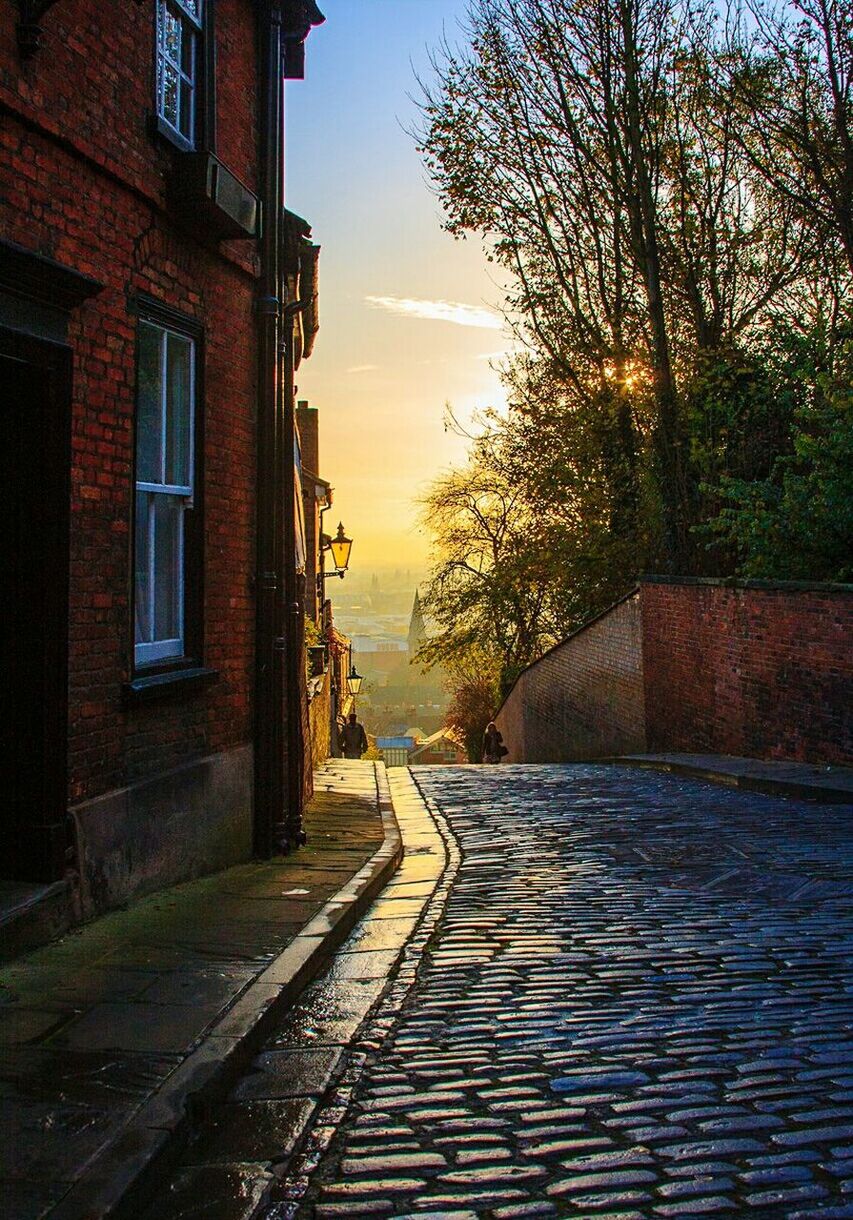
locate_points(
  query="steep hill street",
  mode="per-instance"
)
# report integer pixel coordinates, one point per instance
(636, 1002)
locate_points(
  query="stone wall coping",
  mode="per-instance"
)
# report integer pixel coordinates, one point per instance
(732, 582)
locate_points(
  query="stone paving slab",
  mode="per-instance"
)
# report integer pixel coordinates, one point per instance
(238, 1160)
(110, 1035)
(806, 781)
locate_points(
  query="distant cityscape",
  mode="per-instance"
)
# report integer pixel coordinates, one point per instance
(375, 609)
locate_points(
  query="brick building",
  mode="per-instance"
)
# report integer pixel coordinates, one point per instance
(155, 299)
(330, 658)
(440, 749)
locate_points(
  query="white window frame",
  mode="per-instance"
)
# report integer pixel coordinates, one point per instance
(192, 27)
(152, 651)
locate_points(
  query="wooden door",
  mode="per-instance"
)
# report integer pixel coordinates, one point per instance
(35, 414)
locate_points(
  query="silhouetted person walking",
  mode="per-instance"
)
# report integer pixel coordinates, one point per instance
(493, 747)
(353, 738)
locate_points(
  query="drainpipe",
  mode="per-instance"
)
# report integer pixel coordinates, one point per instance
(289, 832)
(284, 26)
(270, 642)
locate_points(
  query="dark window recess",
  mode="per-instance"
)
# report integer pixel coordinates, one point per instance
(203, 189)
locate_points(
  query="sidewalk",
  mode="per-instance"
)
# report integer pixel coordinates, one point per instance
(256, 1154)
(829, 784)
(112, 1036)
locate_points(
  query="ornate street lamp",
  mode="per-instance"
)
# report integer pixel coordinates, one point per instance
(340, 546)
(354, 681)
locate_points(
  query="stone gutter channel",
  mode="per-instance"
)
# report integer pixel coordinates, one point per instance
(262, 1146)
(288, 1192)
(122, 1176)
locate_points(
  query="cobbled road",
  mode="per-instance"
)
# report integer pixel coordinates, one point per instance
(637, 1003)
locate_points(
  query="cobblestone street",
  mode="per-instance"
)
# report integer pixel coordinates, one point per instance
(588, 991)
(638, 1003)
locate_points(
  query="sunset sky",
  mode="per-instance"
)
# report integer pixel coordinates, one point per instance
(407, 317)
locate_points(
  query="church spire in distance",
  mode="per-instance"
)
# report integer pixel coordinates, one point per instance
(417, 627)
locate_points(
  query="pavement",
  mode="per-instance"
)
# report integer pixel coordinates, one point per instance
(265, 1141)
(778, 777)
(628, 995)
(589, 991)
(117, 1035)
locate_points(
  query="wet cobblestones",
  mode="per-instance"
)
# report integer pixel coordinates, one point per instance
(637, 1004)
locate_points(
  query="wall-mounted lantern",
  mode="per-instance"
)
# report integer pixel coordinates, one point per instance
(340, 546)
(354, 681)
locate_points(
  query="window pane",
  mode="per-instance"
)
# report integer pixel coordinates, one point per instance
(149, 409)
(178, 411)
(186, 121)
(172, 31)
(171, 102)
(142, 582)
(168, 575)
(187, 55)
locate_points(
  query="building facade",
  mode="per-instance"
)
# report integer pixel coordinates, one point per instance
(440, 749)
(330, 657)
(148, 275)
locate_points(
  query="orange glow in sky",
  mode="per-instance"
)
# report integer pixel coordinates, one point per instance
(406, 312)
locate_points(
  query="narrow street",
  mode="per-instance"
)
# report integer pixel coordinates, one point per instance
(636, 1001)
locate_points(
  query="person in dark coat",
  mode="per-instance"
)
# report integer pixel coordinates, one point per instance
(493, 747)
(353, 738)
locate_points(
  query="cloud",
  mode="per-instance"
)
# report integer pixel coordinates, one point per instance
(439, 311)
(363, 368)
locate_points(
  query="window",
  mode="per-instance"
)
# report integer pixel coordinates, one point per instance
(179, 54)
(165, 487)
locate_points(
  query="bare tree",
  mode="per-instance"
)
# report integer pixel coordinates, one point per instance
(792, 72)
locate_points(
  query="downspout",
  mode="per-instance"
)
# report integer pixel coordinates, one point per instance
(290, 833)
(278, 764)
(299, 16)
(269, 660)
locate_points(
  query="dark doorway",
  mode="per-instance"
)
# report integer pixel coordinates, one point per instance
(35, 436)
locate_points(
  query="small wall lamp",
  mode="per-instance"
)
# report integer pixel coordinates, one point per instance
(340, 546)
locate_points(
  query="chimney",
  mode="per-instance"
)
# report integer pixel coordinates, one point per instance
(307, 421)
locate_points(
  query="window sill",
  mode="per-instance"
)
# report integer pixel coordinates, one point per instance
(159, 128)
(146, 688)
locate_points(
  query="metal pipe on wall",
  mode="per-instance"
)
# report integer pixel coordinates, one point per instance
(270, 642)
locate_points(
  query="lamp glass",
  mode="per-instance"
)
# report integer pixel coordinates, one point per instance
(354, 681)
(340, 547)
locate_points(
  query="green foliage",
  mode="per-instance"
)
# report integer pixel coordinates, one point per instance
(475, 700)
(797, 523)
(667, 190)
(313, 636)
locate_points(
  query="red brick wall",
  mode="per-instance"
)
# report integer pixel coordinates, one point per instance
(319, 716)
(759, 671)
(236, 95)
(82, 180)
(584, 698)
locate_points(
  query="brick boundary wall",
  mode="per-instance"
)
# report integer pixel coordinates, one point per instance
(757, 669)
(584, 698)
